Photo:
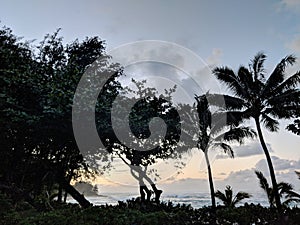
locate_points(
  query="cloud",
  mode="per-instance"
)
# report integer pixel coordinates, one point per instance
(191, 76)
(246, 180)
(253, 148)
(215, 57)
(290, 3)
(280, 165)
(243, 180)
(293, 5)
(246, 150)
(187, 185)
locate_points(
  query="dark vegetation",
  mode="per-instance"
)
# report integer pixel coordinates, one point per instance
(134, 212)
(40, 157)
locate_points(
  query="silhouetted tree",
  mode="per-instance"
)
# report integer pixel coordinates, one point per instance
(264, 99)
(215, 134)
(285, 191)
(37, 89)
(228, 199)
(146, 106)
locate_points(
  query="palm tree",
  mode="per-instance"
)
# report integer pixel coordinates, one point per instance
(264, 100)
(285, 190)
(214, 134)
(227, 197)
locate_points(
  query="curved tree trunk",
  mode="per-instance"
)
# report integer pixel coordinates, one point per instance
(83, 202)
(270, 164)
(142, 175)
(211, 183)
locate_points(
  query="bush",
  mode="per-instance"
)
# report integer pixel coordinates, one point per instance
(133, 212)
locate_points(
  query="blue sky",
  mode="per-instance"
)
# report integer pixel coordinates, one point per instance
(221, 32)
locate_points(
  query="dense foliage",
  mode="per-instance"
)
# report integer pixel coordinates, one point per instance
(133, 212)
(39, 152)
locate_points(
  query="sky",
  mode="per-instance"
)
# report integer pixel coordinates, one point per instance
(220, 32)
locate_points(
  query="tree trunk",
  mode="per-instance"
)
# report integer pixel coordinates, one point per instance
(211, 183)
(65, 197)
(270, 165)
(83, 202)
(59, 195)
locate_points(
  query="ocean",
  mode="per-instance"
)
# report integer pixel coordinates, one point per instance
(196, 200)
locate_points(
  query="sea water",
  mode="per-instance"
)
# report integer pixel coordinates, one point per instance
(196, 200)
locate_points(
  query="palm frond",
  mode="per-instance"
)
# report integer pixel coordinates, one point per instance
(283, 112)
(230, 118)
(221, 196)
(286, 97)
(292, 194)
(229, 194)
(262, 181)
(225, 102)
(265, 186)
(284, 188)
(270, 123)
(227, 197)
(239, 134)
(250, 83)
(228, 77)
(240, 196)
(258, 65)
(225, 147)
(290, 83)
(278, 74)
(204, 113)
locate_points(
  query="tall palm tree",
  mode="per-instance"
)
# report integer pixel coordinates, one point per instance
(214, 134)
(264, 100)
(227, 197)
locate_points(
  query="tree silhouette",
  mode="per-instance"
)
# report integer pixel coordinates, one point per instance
(285, 190)
(228, 199)
(146, 105)
(38, 85)
(215, 134)
(264, 99)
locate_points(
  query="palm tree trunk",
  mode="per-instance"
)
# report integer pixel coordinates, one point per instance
(211, 183)
(270, 164)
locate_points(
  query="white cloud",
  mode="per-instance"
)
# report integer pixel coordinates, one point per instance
(242, 180)
(279, 164)
(247, 180)
(246, 150)
(253, 148)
